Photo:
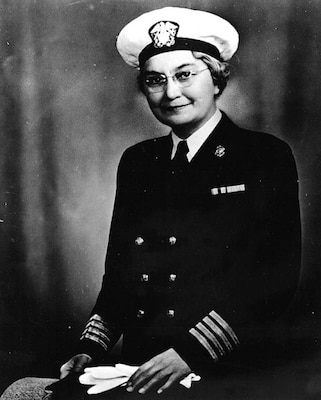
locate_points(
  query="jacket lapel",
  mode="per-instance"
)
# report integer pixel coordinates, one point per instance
(218, 157)
(163, 149)
(218, 150)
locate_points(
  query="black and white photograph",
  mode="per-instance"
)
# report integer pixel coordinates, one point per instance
(160, 219)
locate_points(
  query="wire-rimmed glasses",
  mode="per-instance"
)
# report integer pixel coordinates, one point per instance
(156, 82)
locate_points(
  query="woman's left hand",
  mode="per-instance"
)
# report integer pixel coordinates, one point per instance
(161, 372)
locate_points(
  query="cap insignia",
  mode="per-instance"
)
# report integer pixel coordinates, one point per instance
(164, 33)
(220, 151)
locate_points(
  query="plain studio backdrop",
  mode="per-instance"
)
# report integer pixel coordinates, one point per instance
(69, 107)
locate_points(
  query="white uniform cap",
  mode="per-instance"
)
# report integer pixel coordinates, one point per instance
(176, 28)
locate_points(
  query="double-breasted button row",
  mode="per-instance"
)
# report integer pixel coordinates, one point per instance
(170, 313)
(145, 277)
(140, 241)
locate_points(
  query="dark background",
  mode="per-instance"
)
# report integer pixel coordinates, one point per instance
(69, 107)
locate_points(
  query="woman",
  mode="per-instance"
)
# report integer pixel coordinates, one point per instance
(204, 248)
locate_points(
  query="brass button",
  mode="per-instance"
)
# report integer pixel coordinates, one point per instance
(144, 278)
(139, 241)
(172, 277)
(170, 313)
(140, 313)
(172, 240)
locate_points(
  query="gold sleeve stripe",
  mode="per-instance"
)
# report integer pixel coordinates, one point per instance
(96, 319)
(204, 343)
(98, 325)
(225, 326)
(96, 330)
(218, 332)
(209, 335)
(96, 339)
(215, 335)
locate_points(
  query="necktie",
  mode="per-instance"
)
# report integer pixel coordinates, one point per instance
(180, 161)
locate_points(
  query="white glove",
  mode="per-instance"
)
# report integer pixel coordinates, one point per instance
(102, 379)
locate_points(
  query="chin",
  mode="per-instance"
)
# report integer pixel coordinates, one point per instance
(176, 121)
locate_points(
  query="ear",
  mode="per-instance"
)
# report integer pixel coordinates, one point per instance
(216, 90)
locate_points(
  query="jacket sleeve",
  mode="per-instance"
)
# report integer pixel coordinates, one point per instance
(104, 326)
(255, 323)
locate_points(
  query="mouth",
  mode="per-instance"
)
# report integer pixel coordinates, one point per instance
(175, 108)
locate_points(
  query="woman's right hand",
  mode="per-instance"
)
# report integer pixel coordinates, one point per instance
(76, 364)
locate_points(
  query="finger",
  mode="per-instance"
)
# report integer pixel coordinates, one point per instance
(65, 370)
(143, 374)
(63, 373)
(171, 380)
(75, 364)
(79, 366)
(157, 380)
(139, 381)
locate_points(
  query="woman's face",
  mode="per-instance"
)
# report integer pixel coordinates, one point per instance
(185, 109)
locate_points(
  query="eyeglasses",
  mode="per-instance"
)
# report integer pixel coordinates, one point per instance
(157, 82)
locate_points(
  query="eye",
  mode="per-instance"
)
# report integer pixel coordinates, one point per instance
(155, 80)
(183, 75)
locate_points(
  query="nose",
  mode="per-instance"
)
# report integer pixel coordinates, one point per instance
(172, 89)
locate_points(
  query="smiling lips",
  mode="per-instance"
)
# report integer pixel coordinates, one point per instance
(175, 108)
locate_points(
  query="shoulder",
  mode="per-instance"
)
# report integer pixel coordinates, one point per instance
(255, 138)
(262, 155)
(257, 145)
(147, 145)
(267, 142)
(147, 149)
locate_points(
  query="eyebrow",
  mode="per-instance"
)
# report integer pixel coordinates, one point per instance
(176, 69)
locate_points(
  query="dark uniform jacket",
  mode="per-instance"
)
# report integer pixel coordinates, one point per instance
(204, 260)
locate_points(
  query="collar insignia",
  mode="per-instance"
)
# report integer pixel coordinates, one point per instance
(164, 33)
(220, 151)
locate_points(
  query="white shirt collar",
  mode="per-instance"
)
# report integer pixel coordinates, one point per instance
(196, 140)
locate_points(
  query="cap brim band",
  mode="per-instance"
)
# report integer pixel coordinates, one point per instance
(180, 44)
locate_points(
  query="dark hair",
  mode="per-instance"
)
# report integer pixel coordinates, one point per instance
(220, 72)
